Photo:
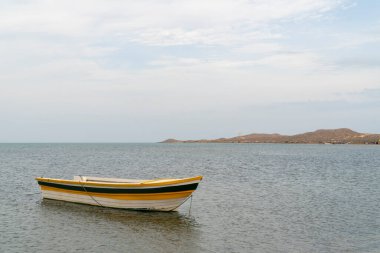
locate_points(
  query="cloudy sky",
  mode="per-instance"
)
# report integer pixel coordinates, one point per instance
(143, 71)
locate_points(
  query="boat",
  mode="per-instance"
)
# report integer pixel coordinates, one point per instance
(163, 194)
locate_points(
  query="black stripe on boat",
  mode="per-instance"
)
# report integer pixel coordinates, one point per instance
(177, 188)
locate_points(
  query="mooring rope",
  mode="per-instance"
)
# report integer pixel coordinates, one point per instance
(88, 193)
(191, 202)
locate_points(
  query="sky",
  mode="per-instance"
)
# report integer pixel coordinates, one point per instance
(145, 71)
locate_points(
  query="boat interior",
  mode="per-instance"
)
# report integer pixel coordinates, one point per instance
(107, 179)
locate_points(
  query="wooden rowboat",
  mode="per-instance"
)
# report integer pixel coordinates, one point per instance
(158, 194)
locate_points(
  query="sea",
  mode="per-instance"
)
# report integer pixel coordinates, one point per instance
(253, 198)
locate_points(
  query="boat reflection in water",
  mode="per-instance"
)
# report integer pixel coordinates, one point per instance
(117, 230)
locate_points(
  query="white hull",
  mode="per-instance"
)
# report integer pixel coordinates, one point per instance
(158, 205)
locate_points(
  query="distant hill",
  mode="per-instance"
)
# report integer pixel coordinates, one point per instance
(322, 136)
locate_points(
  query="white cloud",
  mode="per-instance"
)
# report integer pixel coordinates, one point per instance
(177, 85)
(296, 60)
(355, 40)
(260, 48)
(157, 22)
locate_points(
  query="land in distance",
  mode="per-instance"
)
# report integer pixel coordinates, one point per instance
(321, 136)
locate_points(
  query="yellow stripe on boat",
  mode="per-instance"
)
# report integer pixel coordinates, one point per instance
(143, 196)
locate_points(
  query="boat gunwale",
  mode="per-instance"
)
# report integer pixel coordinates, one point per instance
(147, 183)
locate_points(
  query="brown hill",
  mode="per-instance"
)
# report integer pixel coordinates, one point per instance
(322, 136)
(171, 141)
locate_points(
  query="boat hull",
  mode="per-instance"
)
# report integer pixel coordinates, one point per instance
(155, 195)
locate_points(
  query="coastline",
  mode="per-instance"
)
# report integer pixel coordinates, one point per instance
(321, 136)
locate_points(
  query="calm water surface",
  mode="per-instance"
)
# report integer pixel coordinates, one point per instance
(254, 198)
